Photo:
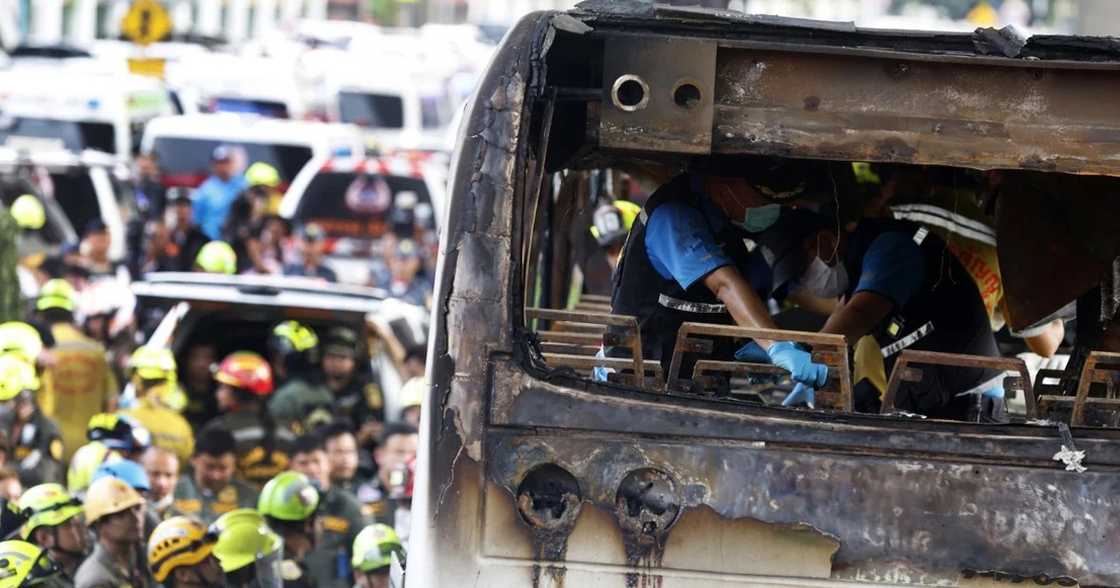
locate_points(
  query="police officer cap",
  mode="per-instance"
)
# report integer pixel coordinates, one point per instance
(781, 243)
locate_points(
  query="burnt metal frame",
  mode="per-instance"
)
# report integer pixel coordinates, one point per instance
(630, 337)
(1100, 368)
(903, 372)
(835, 354)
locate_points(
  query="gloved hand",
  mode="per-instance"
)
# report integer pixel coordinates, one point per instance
(752, 353)
(801, 394)
(798, 363)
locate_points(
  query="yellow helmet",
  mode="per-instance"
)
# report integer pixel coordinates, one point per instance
(262, 174)
(47, 505)
(374, 547)
(22, 338)
(16, 375)
(57, 293)
(412, 393)
(23, 564)
(109, 495)
(28, 212)
(152, 363)
(84, 463)
(217, 257)
(178, 542)
(243, 539)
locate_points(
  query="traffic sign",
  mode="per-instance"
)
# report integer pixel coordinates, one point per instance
(146, 22)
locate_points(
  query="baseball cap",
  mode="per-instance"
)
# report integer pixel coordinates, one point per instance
(312, 232)
(341, 341)
(221, 153)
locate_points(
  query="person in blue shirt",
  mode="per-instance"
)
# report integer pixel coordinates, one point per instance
(896, 281)
(215, 196)
(686, 260)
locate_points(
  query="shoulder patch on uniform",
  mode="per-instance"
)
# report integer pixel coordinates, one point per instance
(289, 571)
(56, 449)
(228, 494)
(188, 505)
(373, 396)
(336, 524)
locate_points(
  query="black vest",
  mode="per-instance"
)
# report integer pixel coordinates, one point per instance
(947, 314)
(660, 304)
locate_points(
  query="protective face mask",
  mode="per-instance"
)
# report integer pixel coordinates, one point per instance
(824, 281)
(760, 218)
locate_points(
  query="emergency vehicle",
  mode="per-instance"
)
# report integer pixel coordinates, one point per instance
(43, 110)
(86, 186)
(356, 200)
(241, 84)
(183, 144)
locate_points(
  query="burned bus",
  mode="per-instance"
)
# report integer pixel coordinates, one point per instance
(687, 473)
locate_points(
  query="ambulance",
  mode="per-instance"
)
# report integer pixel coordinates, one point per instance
(44, 111)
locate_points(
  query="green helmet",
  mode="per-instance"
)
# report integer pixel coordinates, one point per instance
(217, 257)
(16, 375)
(57, 293)
(262, 174)
(288, 497)
(28, 212)
(243, 538)
(374, 548)
(84, 464)
(152, 363)
(23, 564)
(47, 505)
(22, 338)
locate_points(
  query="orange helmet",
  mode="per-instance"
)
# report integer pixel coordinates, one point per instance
(246, 370)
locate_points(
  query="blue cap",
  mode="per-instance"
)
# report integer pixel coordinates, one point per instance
(221, 153)
(125, 470)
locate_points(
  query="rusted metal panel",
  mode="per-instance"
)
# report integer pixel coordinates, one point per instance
(657, 94)
(894, 110)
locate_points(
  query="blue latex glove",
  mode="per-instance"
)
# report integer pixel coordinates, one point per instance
(752, 353)
(798, 363)
(801, 394)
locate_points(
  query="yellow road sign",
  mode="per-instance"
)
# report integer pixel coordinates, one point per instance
(146, 22)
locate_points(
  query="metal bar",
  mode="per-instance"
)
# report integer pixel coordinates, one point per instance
(1099, 366)
(599, 318)
(590, 361)
(903, 372)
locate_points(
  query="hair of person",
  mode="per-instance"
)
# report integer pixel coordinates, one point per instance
(215, 442)
(307, 443)
(335, 429)
(393, 429)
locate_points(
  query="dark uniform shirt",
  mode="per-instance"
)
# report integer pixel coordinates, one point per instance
(262, 451)
(340, 516)
(99, 571)
(36, 448)
(207, 506)
(300, 403)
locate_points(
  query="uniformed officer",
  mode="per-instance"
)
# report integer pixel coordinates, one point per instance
(686, 260)
(23, 565)
(79, 382)
(210, 489)
(342, 456)
(339, 516)
(54, 523)
(152, 372)
(262, 448)
(36, 441)
(357, 397)
(115, 512)
(610, 224)
(395, 450)
(301, 402)
(901, 285)
(373, 555)
(180, 555)
(249, 551)
(162, 467)
(288, 503)
(134, 475)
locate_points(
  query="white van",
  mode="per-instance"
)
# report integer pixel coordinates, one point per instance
(48, 110)
(183, 144)
(223, 82)
(86, 186)
(396, 110)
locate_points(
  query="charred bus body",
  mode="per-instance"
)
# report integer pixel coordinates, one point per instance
(538, 476)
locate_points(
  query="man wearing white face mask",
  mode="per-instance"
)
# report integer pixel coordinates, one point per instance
(687, 260)
(899, 284)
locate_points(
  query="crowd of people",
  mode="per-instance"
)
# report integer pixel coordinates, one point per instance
(291, 475)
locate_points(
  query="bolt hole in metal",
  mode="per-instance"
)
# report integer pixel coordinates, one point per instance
(630, 93)
(647, 502)
(687, 95)
(549, 497)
